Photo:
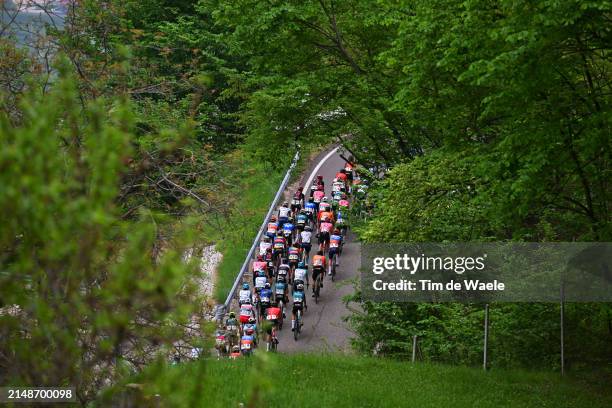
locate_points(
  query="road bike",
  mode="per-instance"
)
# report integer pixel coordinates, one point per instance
(317, 287)
(332, 267)
(273, 341)
(298, 325)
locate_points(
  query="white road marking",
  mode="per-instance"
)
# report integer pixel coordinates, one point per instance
(306, 189)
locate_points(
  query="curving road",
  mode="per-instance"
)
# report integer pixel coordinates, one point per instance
(324, 329)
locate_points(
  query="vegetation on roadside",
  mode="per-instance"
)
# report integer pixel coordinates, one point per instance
(328, 380)
(490, 119)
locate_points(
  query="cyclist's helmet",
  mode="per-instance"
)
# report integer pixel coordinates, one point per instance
(273, 218)
(320, 187)
(259, 258)
(232, 315)
(308, 228)
(343, 171)
(252, 320)
(285, 204)
(267, 285)
(245, 286)
(319, 252)
(300, 286)
(266, 239)
(235, 349)
(337, 231)
(301, 265)
(324, 199)
(320, 177)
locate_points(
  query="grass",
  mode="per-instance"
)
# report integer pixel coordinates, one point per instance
(351, 381)
(234, 233)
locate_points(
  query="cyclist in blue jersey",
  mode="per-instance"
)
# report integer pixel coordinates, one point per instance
(265, 297)
(288, 229)
(335, 243)
(311, 209)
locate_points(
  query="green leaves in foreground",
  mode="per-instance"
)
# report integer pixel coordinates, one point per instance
(80, 290)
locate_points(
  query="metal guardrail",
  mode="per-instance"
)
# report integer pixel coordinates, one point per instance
(222, 309)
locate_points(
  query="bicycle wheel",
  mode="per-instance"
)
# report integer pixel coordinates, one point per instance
(281, 306)
(333, 268)
(298, 321)
(317, 288)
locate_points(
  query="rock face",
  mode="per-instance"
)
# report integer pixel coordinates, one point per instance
(210, 260)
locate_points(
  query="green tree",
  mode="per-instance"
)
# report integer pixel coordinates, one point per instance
(83, 293)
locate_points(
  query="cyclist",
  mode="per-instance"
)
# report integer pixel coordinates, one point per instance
(273, 315)
(269, 258)
(324, 205)
(280, 291)
(301, 221)
(319, 264)
(260, 280)
(294, 258)
(338, 186)
(324, 232)
(305, 241)
(264, 245)
(301, 275)
(341, 175)
(284, 212)
(344, 203)
(317, 198)
(288, 229)
(341, 223)
(235, 353)
(272, 227)
(320, 182)
(283, 271)
(246, 314)
(310, 208)
(298, 200)
(265, 299)
(250, 329)
(260, 265)
(299, 302)
(231, 327)
(335, 242)
(279, 246)
(245, 295)
(336, 197)
(325, 216)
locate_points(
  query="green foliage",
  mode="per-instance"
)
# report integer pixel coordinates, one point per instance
(81, 290)
(254, 185)
(348, 381)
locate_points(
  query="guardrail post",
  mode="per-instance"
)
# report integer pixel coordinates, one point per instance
(414, 346)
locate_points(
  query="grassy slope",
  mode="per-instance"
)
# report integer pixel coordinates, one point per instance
(253, 196)
(234, 234)
(350, 381)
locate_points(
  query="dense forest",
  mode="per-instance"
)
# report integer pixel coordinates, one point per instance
(132, 130)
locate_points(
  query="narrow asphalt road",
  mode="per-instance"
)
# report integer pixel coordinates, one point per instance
(324, 329)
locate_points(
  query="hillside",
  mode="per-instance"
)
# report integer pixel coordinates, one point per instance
(333, 380)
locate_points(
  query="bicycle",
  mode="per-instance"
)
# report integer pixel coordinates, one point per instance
(273, 343)
(298, 325)
(281, 306)
(317, 287)
(332, 267)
